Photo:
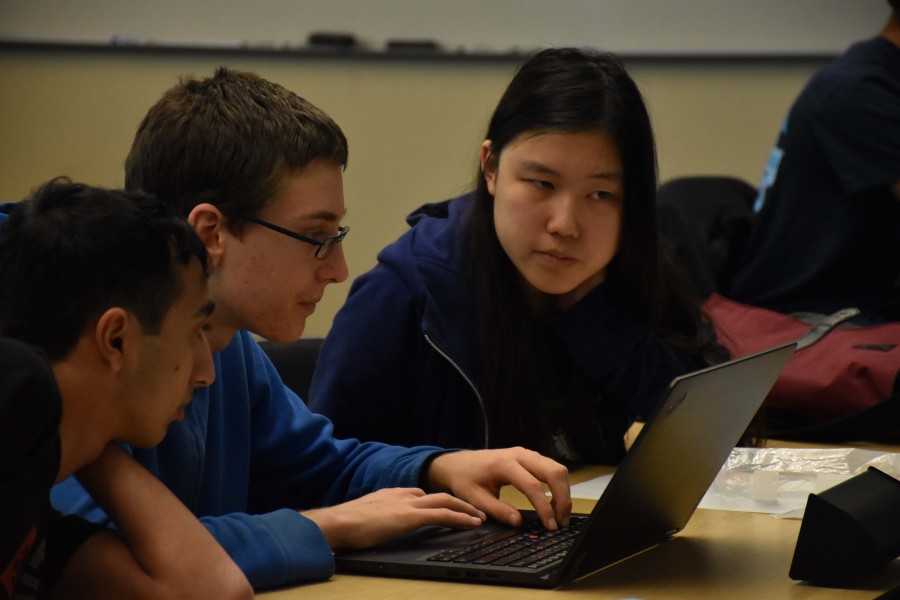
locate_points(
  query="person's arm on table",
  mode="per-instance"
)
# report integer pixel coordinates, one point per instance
(163, 551)
(272, 548)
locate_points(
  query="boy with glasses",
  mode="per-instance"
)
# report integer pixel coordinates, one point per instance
(257, 170)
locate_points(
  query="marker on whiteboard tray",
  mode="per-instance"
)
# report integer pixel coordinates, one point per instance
(413, 45)
(335, 40)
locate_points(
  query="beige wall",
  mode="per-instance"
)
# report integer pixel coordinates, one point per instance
(414, 126)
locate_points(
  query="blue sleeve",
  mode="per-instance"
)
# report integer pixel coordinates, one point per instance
(299, 464)
(298, 459)
(632, 363)
(274, 548)
(271, 549)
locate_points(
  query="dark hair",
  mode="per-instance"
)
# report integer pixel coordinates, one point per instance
(571, 90)
(229, 139)
(72, 251)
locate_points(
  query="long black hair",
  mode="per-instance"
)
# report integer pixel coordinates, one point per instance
(569, 90)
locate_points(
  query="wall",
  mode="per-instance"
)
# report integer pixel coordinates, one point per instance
(414, 126)
(685, 27)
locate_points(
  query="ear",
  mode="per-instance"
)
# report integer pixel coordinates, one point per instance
(112, 336)
(210, 224)
(489, 166)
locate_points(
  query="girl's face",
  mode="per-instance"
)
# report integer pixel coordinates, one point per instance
(557, 208)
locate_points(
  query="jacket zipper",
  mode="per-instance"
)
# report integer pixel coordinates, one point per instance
(484, 419)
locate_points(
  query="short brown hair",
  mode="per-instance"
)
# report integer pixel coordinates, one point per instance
(229, 139)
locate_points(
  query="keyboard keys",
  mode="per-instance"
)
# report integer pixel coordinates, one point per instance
(532, 548)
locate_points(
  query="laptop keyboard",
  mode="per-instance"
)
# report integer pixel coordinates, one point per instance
(533, 547)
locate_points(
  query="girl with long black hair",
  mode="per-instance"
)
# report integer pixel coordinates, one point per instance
(539, 310)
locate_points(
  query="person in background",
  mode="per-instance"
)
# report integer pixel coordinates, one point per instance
(257, 171)
(827, 230)
(539, 309)
(103, 305)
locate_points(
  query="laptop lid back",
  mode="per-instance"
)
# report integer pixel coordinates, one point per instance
(674, 460)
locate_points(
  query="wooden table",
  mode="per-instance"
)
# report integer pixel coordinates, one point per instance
(720, 554)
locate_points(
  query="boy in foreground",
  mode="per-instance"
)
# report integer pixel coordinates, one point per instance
(103, 304)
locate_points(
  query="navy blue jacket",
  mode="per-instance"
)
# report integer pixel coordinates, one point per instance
(399, 364)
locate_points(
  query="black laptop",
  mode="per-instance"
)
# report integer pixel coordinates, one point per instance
(653, 493)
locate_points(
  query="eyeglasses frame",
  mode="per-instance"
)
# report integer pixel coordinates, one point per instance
(323, 247)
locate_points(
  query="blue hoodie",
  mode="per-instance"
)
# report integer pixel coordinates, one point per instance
(248, 455)
(399, 365)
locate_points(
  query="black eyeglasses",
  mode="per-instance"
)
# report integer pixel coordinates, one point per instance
(323, 247)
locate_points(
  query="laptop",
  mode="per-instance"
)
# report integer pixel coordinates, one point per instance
(651, 496)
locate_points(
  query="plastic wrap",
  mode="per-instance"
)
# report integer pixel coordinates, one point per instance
(779, 480)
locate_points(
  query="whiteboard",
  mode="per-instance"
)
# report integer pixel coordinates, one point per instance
(629, 27)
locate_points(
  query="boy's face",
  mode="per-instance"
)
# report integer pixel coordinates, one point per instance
(269, 283)
(168, 366)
